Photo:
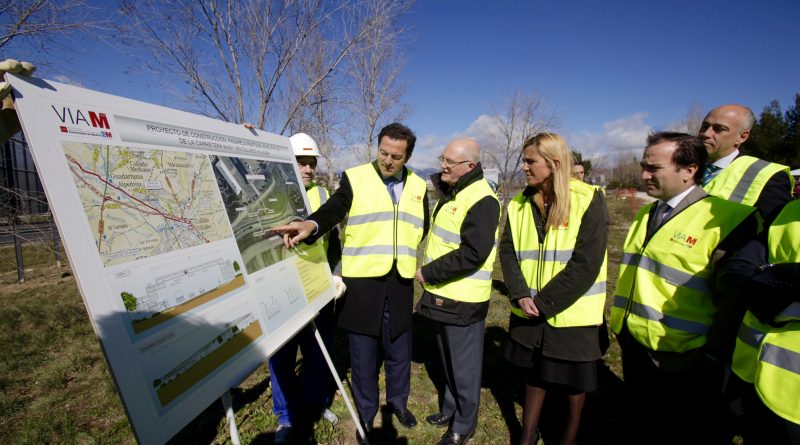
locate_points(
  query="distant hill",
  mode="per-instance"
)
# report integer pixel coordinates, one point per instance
(426, 173)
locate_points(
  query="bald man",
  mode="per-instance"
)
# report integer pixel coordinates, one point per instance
(457, 283)
(757, 183)
(729, 174)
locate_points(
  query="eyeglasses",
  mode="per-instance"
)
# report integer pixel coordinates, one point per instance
(449, 163)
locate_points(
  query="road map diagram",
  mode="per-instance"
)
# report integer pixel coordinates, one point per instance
(167, 218)
(144, 202)
(259, 195)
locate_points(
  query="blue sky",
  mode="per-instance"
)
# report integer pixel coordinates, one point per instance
(613, 70)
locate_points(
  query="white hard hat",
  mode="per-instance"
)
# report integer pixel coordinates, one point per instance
(303, 145)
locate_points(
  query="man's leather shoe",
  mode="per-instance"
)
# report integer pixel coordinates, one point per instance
(453, 438)
(438, 419)
(367, 427)
(405, 417)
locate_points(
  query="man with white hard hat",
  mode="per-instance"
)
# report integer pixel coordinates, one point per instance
(300, 399)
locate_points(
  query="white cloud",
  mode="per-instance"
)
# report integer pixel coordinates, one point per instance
(621, 136)
(62, 78)
(625, 135)
(482, 127)
(430, 146)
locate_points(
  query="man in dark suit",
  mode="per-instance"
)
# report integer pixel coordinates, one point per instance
(386, 206)
(731, 175)
(673, 330)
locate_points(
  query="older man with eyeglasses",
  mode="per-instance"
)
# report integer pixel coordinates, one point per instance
(457, 282)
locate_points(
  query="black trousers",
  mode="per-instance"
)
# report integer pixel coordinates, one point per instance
(461, 352)
(669, 407)
(365, 359)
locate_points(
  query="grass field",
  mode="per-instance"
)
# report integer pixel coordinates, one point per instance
(55, 386)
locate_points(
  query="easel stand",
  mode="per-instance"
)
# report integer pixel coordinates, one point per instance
(228, 405)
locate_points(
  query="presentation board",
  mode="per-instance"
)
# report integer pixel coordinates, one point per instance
(166, 218)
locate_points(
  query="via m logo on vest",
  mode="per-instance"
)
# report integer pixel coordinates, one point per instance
(683, 239)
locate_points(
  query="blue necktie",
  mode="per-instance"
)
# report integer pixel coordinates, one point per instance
(709, 173)
(390, 182)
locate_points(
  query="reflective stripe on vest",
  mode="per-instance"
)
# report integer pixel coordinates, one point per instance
(664, 291)
(445, 237)
(317, 195)
(777, 371)
(744, 179)
(782, 234)
(377, 231)
(748, 342)
(777, 379)
(539, 263)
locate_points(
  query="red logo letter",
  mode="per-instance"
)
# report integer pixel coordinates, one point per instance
(99, 120)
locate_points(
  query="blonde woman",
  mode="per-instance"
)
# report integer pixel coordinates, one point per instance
(553, 255)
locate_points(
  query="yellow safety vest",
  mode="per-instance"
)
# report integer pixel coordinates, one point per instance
(539, 263)
(445, 237)
(776, 358)
(664, 286)
(317, 195)
(744, 179)
(378, 231)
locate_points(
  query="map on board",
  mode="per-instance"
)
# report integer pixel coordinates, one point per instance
(259, 195)
(144, 202)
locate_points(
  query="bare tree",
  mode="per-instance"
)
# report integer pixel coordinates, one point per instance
(319, 111)
(235, 56)
(373, 70)
(692, 121)
(39, 31)
(38, 22)
(522, 115)
(338, 110)
(625, 173)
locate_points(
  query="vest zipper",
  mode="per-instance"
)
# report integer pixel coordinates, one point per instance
(394, 235)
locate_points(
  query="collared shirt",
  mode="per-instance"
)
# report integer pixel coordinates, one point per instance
(398, 183)
(726, 160)
(675, 200)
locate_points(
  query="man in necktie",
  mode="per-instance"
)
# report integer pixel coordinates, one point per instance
(673, 331)
(745, 179)
(379, 259)
(751, 181)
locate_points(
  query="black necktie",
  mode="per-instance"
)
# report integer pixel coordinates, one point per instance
(661, 211)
